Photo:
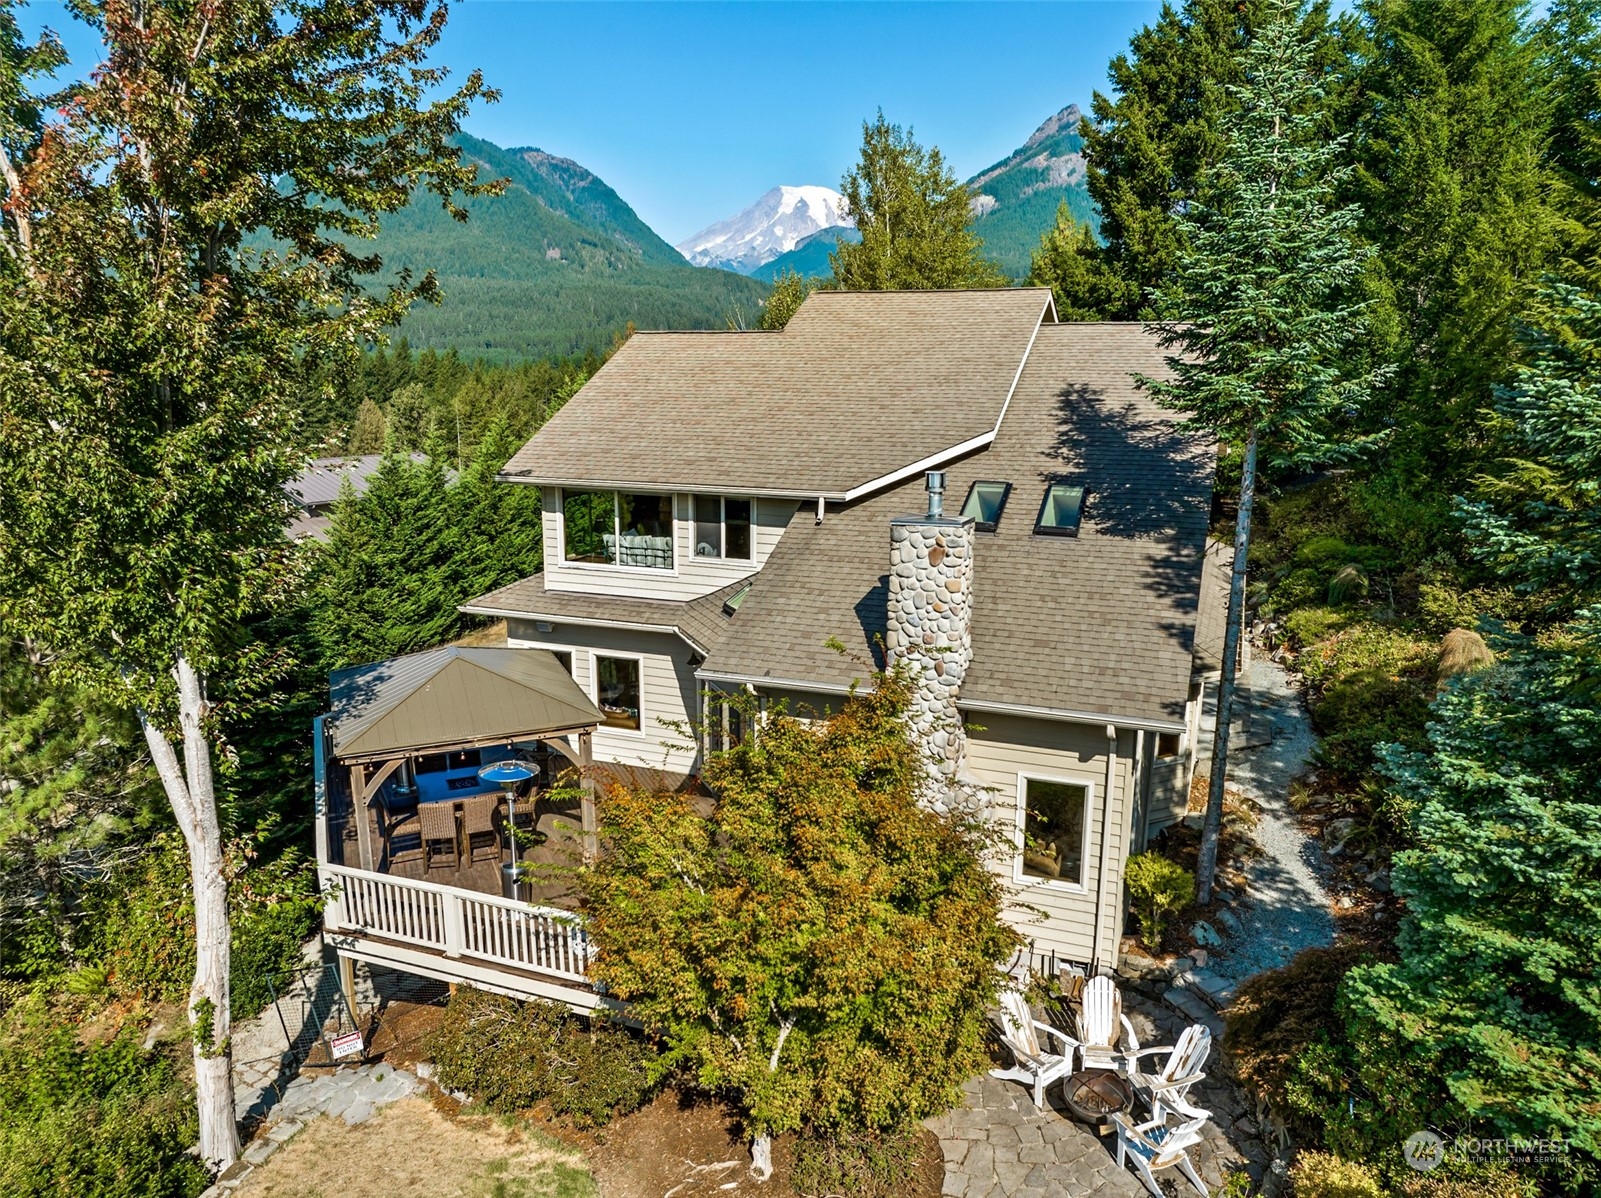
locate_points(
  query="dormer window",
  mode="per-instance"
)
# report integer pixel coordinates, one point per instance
(985, 502)
(1062, 510)
(617, 529)
(722, 527)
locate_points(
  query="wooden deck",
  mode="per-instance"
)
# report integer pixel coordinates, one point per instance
(559, 846)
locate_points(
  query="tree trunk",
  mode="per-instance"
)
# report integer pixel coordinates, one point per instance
(194, 803)
(1212, 829)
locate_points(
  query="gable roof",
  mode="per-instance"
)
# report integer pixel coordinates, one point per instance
(1101, 624)
(861, 388)
(453, 696)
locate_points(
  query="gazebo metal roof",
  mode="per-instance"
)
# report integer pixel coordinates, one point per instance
(451, 698)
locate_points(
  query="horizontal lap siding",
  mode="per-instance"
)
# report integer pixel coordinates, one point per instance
(1007, 746)
(693, 577)
(667, 690)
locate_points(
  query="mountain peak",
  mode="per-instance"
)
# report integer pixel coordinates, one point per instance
(1065, 121)
(777, 222)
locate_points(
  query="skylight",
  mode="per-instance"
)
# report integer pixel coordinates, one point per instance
(1062, 510)
(731, 604)
(985, 501)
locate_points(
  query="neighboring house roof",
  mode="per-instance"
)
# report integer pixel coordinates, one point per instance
(860, 389)
(701, 622)
(316, 488)
(453, 696)
(1099, 624)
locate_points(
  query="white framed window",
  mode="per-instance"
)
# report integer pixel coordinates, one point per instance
(1053, 830)
(618, 680)
(617, 528)
(722, 527)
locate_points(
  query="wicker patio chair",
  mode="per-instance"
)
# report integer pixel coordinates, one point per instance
(439, 833)
(478, 826)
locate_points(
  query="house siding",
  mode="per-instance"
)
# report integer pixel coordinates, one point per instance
(668, 691)
(1055, 917)
(691, 576)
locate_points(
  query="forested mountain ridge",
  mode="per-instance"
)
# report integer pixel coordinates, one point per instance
(1015, 200)
(557, 265)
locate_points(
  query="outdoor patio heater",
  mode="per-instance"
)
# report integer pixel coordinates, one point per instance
(509, 775)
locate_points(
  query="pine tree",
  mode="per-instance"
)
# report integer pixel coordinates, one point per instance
(1570, 60)
(1259, 309)
(914, 219)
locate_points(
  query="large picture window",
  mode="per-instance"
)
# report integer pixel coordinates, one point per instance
(617, 691)
(1054, 818)
(722, 527)
(617, 529)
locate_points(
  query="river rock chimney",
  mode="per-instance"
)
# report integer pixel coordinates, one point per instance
(930, 629)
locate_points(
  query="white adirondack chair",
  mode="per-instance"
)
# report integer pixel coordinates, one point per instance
(1178, 1073)
(1033, 1062)
(1154, 1145)
(1100, 1020)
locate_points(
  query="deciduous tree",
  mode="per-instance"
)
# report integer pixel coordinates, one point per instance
(146, 351)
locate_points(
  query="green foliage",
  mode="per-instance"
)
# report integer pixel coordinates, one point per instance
(1323, 1175)
(1157, 887)
(104, 1118)
(511, 1054)
(789, 292)
(913, 218)
(141, 933)
(1067, 261)
(820, 949)
(864, 1164)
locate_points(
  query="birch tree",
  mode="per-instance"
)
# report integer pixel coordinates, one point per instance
(175, 245)
(1260, 312)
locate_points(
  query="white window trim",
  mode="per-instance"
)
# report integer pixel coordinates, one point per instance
(612, 567)
(1021, 813)
(722, 524)
(594, 691)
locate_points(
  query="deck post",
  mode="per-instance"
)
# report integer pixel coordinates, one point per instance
(358, 806)
(455, 925)
(586, 761)
(347, 983)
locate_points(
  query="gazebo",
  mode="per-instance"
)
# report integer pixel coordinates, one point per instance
(417, 730)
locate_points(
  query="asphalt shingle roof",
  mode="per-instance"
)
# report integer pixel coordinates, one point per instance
(858, 386)
(1100, 623)
(702, 622)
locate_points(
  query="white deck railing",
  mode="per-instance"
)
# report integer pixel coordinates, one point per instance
(457, 923)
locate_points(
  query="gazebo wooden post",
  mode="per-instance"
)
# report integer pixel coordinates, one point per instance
(358, 804)
(586, 765)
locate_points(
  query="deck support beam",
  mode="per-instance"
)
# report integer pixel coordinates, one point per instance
(586, 765)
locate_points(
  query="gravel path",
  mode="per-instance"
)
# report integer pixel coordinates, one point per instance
(1287, 908)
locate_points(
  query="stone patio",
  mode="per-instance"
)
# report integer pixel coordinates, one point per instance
(998, 1144)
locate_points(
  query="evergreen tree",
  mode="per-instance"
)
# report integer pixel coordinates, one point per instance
(1494, 1008)
(790, 290)
(369, 432)
(914, 219)
(1570, 62)
(1449, 119)
(1259, 310)
(1068, 262)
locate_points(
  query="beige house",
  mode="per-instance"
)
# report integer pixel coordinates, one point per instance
(951, 478)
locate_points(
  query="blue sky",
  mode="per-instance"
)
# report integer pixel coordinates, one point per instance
(692, 110)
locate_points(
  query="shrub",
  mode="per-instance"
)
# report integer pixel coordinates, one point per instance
(1463, 652)
(1156, 888)
(1484, 1181)
(862, 1164)
(1321, 1175)
(511, 1054)
(105, 1118)
(1362, 710)
(1309, 625)
(1348, 585)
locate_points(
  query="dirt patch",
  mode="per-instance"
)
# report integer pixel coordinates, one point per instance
(413, 1150)
(694, 1148)
(397, 1033)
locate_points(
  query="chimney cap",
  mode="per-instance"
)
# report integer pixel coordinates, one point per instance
(934, 480)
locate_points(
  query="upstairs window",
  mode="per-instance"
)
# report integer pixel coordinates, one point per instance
(985, 502)
(1062, 510)
(618, 529)
(722, 527)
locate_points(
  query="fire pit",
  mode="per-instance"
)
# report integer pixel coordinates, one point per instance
(1095, 1095)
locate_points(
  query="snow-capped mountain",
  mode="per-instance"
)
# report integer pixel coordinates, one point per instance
(773, 225)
